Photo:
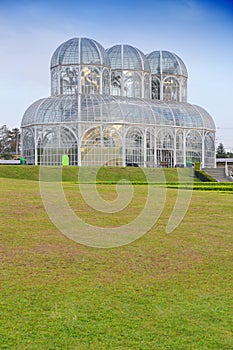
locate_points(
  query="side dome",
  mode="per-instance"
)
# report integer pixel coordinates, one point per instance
(126, 57)
(29, 117)
(50, 110)
(165, 62)
(78, 51)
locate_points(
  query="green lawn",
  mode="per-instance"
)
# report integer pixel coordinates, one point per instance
(163, 291)
(105, 174)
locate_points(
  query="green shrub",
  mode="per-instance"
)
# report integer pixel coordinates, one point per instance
(6, 156)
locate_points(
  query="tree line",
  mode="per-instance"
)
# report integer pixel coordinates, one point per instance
(221, 152)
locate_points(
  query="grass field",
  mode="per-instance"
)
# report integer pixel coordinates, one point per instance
(105, 174)
(163, 291)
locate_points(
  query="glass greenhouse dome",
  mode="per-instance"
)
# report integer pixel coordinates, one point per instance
(130, 72)
(102, 111)
(80, 65)
(168, 76)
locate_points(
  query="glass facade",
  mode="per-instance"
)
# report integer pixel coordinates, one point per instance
(117, 107)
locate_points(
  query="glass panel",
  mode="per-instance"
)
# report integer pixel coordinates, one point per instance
(116, 78)
(170, 89)
(115, 57)
(30, 115)
(132, 84)
(55, 81)
(69, 81)
(89, 52)
(209, 150)
(179, 147)
(184, 90)
(150, 149)
(165, 147)
(154, 61)
(90, 80)
(165, 140)
(183, 70)
(193, 147)
(155, 88)
(29, 147)
(169, 63)
(146, 86)
(134, 149)
(69, 52)
(106, 82)
(208, 121)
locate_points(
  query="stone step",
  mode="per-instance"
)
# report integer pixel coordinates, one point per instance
(218, 174)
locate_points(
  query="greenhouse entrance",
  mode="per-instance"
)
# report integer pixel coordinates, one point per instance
(55, 144)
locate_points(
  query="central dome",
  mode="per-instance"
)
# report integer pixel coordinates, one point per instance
(80, 51)
(126, 57)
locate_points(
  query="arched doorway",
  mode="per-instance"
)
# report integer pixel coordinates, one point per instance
(56, 142)
(165, 148)
(101, 146)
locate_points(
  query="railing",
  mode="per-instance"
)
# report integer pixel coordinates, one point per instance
(9, 162)
(228, 173)
(226, 169)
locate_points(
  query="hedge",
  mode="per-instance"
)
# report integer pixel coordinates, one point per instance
(203, 176)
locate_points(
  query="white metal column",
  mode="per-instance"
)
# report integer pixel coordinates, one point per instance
(180, 90)
(123, 147)
(36, 150)
(203, 150)
(155, 149)
(79, 131)
(144, 148)
(184, 147)
(174, 153)
(142, 76)
(215, 165)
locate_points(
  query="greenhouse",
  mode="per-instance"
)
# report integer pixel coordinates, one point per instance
(117, 107)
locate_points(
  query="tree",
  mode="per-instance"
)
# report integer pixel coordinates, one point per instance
(14, 136)
(9, 142)
(229, 155)
(221, 153)
(3, 139)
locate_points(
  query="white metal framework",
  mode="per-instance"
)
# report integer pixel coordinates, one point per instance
(168, 75)
(145, 121)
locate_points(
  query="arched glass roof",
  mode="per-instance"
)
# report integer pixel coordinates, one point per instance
(127, 57)
(165, 62)
(116, 109)
(208, 121)
(80, 51)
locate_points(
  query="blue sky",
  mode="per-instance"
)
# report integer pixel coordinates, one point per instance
(200, 32)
